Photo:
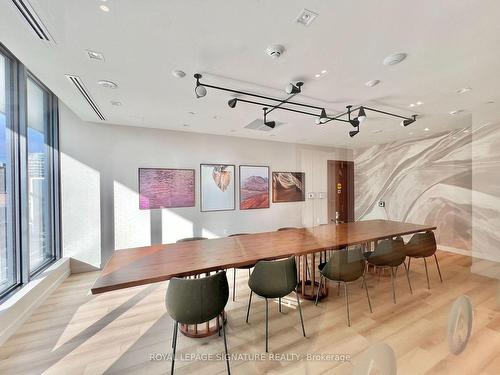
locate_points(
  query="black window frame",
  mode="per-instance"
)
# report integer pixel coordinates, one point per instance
(19, 149)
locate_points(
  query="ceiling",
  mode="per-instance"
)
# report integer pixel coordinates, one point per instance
(450, 44)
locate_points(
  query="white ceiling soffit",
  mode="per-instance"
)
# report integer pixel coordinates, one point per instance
(451, 44)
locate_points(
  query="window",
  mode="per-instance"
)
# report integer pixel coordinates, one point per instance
(38, 183)
(7, 258)
(29, 175)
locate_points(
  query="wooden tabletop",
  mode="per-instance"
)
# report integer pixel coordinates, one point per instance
(150, 264)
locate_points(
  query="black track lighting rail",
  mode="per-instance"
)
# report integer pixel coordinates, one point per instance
(323, 118)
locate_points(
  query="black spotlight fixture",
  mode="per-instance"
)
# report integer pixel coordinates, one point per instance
(361, 115)
(199, 90)
(354, 122)
(232, 102)
(323, 117)
(292, 89)
(352, 133)
(409, 121)
(270, 124)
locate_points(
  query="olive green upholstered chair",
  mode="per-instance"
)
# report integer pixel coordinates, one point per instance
(423, 245)
(274, 279)
(187, 239)
(195, 301)
(390, 253)
(345, 266)
(248, 267)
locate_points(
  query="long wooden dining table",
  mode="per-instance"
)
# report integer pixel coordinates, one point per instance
(143, 265)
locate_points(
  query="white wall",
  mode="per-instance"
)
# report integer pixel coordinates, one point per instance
(100, 204)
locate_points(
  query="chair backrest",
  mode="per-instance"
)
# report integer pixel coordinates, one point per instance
(194, 301)
(274, 279)
(421, 245)
(390, 253)
(286, 228)
(187, 239)
(345, 265)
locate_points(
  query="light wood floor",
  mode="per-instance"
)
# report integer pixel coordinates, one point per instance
(74, 332)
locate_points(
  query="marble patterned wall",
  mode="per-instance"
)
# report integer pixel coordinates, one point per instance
(427, 181)
(451, 180)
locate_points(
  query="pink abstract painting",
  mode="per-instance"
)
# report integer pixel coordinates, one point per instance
(166, 188)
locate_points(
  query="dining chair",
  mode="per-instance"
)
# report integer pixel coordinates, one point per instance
(390, 254)
(274, 279)
(345, 266)
(195, 301)
(248, 267)
(423, 245)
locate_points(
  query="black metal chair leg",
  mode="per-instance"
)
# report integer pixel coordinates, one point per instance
(175, 324)
(408, 277)
(319, 289)
(249, 303)
(174, 346)
(234, 284)
(267, 327)
(347, 305)
(439, 270)
(427, 275)
(225, 343)
(393, 287)
(279, 304)
(367, 295)
(300, 313)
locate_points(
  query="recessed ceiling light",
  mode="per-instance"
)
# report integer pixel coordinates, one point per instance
(411, 105)
(426, 129)
(317, 75)
(419, 103)
(104, 8)
(394, 59)
(373, 82)
(178, 73)
(115, 103)
(323, 71)
(95, 55)
(455, 112)
(377, 131)
(306, 17)
(107, 84)
(463, 90)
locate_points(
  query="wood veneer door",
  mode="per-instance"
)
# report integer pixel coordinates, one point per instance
(340, 191)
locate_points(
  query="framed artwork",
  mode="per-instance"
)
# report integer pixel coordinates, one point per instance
(217, 187)
(254, 187)
(289, 187)
(166, 188)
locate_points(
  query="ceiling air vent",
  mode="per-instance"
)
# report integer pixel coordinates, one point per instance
(77, 81)
(33, 20)
(258, 124)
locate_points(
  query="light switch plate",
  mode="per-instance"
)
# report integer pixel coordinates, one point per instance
(310, 195)
(322, 195)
